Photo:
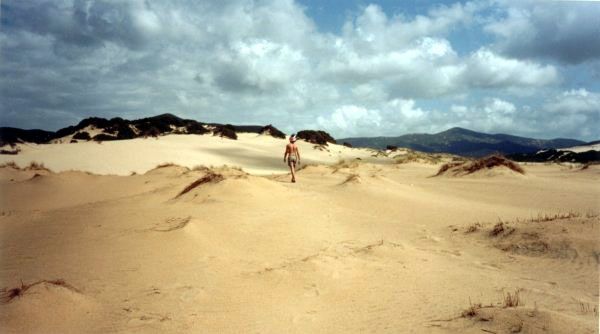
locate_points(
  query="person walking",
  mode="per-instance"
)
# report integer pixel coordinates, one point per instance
(292, 156)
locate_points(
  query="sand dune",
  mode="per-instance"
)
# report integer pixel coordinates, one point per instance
(257, 154)
(365, 245)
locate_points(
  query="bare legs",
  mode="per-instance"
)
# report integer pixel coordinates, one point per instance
(293, 170)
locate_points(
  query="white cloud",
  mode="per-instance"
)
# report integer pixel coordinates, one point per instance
(576, 101)
(563, 30)
(351, 119)
(266, 62)
(484, 69)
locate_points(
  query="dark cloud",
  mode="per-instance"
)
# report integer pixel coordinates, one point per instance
(77, 27)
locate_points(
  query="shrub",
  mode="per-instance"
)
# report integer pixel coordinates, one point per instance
(315, 137)
(347, 144)
(103, 137)
(225, 131)
(195, 128)
(82, 135)
(151, 132)
(273, 131)
(13, 152)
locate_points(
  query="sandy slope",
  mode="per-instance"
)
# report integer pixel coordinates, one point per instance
(258, 154)
(358, 247)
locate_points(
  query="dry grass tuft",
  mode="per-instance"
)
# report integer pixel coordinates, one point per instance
(32, 166)
(6, 296)
(498, 229)
(209, 178)
(446, 167)
(473, 228)
(352, 178)
(488, 162)
(512, 300)
(472, 311)
(164, 165)
(509, 300)
(585, 308)
(547, 218)
(36, 166)
(10, 164)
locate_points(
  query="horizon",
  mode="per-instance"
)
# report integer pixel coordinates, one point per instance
(340, 138)
(350, 68)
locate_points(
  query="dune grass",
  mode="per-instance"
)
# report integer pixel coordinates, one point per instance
(209, 178)
(489, 162)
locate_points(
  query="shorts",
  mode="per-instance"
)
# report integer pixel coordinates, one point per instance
(291, 160)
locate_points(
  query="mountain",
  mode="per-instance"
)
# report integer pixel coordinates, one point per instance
(102, 129)
(463, 142)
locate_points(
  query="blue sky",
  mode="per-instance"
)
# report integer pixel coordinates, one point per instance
(352, 68)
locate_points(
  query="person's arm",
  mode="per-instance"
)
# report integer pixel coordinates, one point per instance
(298, 153)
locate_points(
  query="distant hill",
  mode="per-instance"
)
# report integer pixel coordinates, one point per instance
(463, 142)
(101, 129)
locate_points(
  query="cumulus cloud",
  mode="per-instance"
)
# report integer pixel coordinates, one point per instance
(489, 70)
(259, 62)
(397, 115)
(576, 101)
(568, 31)
(351, 119)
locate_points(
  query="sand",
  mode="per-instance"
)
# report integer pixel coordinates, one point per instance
(363, 246)
(257, 154)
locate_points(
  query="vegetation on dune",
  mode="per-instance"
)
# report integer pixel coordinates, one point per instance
(82, 135)
(315, 137)
(226, 131)
(272, 131)
(489, 162)
(103, 137)
(211, 177)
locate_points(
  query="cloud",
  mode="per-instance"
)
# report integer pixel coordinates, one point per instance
(576, 101)
(259, 65)
(351, 119)
(264, 62)
(567, 31)
(573, 113)
(394, 117)
(484, 69)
